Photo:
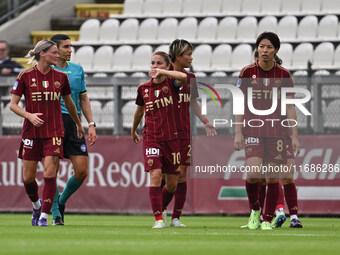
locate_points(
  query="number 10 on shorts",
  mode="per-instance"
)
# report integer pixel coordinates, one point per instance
(176, 158)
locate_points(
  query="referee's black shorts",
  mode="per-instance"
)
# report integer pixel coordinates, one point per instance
(72, 144)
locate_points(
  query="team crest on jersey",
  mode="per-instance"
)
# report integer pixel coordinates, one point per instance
(165, 89)
(157, 92)
(150, 162)
(254, 76)
(266, 81)
(57, 84)
(15, 85)
(45, 84)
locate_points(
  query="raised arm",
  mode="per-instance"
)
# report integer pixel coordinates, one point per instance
(180, 77)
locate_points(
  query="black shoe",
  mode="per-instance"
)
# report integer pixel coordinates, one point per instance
(294, 223)
(61, 210)
(58, 221)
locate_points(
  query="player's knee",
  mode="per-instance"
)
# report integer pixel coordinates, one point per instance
(28, 179)
(155, 178)
(171, 188)
(272, 180)
(252, 180)
(182, 178)
(287, 181)
(81, 175)
(50, 172)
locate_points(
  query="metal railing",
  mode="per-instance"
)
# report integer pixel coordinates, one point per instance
(12, 8)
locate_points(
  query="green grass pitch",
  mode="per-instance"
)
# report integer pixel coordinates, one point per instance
(113, 234)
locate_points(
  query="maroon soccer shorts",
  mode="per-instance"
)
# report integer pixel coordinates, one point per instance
(185, 148)
(163, 155)
(270, 149)
(38, 148)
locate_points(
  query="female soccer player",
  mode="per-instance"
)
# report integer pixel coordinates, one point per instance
(265, 141)
(286, 179)
(43, 131)
(180, 52)
(158, 99)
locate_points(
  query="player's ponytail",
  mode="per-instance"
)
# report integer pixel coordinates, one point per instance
(34, 54)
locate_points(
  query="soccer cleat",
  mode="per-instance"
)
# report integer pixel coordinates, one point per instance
(58, 221)
(36, 215)
(244, 226)
(279, 220)
(159, 224)
(176, 223)
(164, 214)
(42, 222)
(254, 219)
(61, 210)
(295, 223)
(265, 225)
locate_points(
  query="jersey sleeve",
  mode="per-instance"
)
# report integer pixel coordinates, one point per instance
(19, 86)
(139, 99)
(288, 82)
(193, 87)
(66, 90)
(242, 81)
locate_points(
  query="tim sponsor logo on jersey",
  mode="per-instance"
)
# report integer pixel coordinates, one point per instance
(158, 103)
(152, 152)
(47, 96)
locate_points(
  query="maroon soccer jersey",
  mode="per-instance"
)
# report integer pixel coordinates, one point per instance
(42, 95)
(160, 106)
(262, 82)
(186, 93)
